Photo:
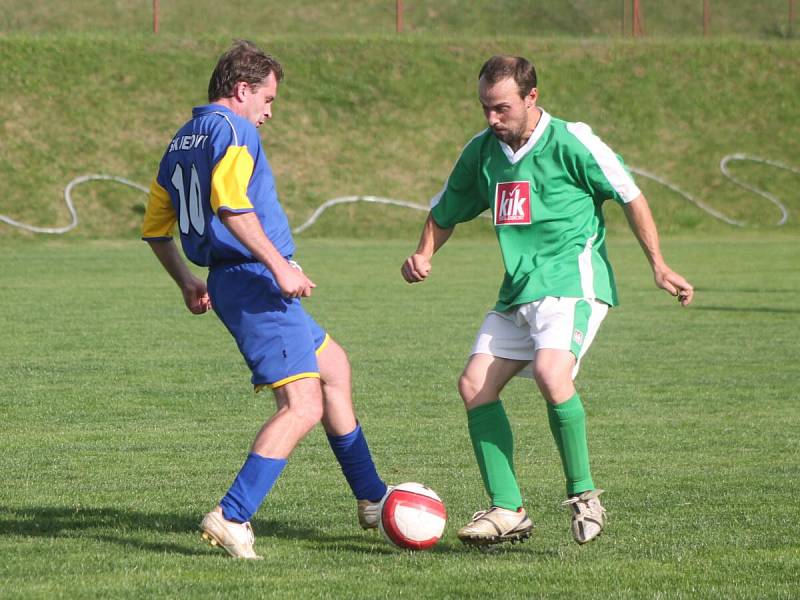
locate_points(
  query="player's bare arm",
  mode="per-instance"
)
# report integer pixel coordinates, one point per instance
(247, 229)
(417, 266)
(643, 226)
(195, 294)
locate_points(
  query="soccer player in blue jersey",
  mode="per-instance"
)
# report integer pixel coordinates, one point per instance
(215, 182)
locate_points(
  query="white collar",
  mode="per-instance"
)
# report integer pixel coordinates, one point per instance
(515, 157)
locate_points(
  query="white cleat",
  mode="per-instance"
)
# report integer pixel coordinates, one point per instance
(369, 513)
(588, 516)
(495, 526)
(236, 539)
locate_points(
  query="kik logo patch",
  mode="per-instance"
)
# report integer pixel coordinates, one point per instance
(512, 203)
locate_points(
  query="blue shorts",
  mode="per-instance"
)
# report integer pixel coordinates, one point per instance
(277, 337)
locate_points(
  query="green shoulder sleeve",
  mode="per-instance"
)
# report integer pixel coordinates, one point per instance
(462, 198)
(602, 171)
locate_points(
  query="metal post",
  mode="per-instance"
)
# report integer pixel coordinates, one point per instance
(398, 8)
(622, 18)
(155, 16)
(706, 17)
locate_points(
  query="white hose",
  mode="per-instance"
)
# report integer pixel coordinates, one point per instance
(698, 203)
(348, 199)
(70, 206)
(723, 166)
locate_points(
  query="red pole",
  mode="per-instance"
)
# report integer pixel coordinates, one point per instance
(636, 21)
(398, 9)
(706, 16)
(155, 16)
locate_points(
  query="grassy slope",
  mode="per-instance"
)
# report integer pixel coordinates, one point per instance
(477, 17)
(387, 116)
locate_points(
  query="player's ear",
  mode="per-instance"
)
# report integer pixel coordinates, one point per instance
(530, 99)
(239, 90)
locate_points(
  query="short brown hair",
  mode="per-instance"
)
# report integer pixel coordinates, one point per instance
(244, 61)
(498, 68)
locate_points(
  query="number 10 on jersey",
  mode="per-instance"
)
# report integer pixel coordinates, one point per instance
(191, 211)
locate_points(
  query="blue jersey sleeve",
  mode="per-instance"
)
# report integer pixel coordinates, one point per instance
(214, 163)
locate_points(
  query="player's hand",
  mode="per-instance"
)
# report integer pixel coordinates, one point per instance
(195, 296)
(674, 284)
(294, 283)
(416, 268)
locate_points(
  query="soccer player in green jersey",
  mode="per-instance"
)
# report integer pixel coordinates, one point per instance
(544, 181)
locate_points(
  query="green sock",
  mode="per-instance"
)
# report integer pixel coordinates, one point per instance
(568, 424)
(493, 443)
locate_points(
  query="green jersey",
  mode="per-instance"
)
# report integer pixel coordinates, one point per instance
(546, 203)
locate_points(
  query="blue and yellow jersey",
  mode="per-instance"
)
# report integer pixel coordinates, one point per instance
(215, 162)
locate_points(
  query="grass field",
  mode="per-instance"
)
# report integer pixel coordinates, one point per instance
(124, 419)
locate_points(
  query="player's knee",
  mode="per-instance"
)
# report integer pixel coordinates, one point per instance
(309, 412)
(546, 378)
(553, 370)
(303, 402)
(554, 386)
(468, 388)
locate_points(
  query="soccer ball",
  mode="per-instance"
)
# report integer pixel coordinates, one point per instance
(412, 516)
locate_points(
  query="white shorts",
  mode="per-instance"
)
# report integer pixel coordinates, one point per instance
(552, 322)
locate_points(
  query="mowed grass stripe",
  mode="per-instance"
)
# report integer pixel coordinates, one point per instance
(124, 419)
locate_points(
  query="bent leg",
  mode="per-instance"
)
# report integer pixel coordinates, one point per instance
(489, 429)
(345, 435)
(552, 370)
(299, 409)
(338, 417)
(484, 378)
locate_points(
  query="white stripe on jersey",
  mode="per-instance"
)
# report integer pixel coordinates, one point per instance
(614, 172)
(586, 269)
(235, 136)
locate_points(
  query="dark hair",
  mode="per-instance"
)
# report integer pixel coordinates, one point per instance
(498, 68)
(243, 62)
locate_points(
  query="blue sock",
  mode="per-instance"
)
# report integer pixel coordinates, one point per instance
(250, 487)
(352, 452)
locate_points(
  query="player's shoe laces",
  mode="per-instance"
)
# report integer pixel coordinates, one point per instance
(236, 539)
(369, 513)
(495, 526)
(588, 516)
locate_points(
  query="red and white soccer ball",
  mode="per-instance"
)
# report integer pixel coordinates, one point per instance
(412, 516)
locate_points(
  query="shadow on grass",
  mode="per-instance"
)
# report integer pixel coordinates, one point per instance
(756, 309)
(125, 527)
(745, 290)
(130, 528)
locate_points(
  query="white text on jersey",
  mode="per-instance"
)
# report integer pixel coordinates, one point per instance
(188, 142)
